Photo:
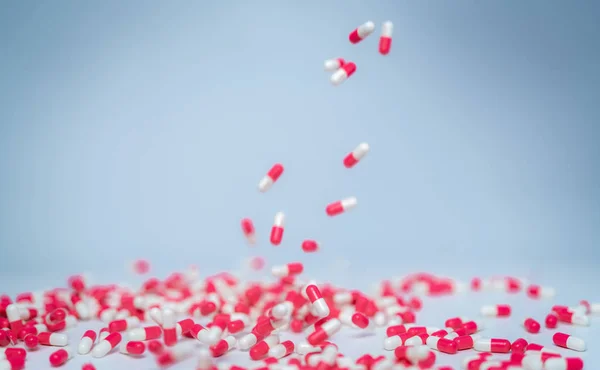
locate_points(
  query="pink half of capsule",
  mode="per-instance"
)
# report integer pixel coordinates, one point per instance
(343, 73)
(248, 230)
(356, 155)
(385, 40)
(277, 229)
(332, 65)
(531, 326)
(361, 32)
(135, 348)
(270, 178)
(341, 206)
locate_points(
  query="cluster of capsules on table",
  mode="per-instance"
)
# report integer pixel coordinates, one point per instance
(342, 69)
(185, 316)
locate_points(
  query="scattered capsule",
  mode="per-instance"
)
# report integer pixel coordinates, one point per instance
(310, 246)
(31, 341)
(341, 206)
(326, 330)
(499, 310)
(271, 177)
(135, 348)
(316, 299)
(561, 363)
(87, 342)
(519, 346)
(465, 342)
(223, 346)
(385, 40)
(283, 349)
(60, 357)
(356, 155)
(360, 320)
(14, 318)
(146, 333)
(361, 32)
(551, 321)
(169, 327)
(442, 344)
(53, 339)
(413, 354)
(123, 324)
(249, 231)
(262, 348)
(569, 341)
(332, 65)
(343, 73)
(277, 229)
(531, 326)
(289, 269)
(493, 345)
(540, 292)
(573, 318)
(106, 345)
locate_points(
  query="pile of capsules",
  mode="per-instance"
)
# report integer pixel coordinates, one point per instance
(184, 316)
(343, 69)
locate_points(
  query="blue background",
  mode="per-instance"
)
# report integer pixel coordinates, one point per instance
(141, 129)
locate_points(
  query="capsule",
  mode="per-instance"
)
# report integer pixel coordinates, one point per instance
(283, 349)
(332, 65)
(569, 341)
(356, 155)
(168, 326)
(106, 345)
(455, 322)
(271, 177)
(360, 320)
(499, 310)
(60, 357)
(395, 341)
(147, 333)
(81, 308)
(442, 344)
(551, 321)
(31, 341)
(561, 363)
(87, 342)
(385, 40)
(14, 318)
(540, 292)
(123, 324)
(277, 229)
(341, 206)
(135, 348)
(261, 348)
(573, 318)
(249, 231)
(310, 246)
(493, 345)
(361, 32)
(472, 327)
(223, 346)
(343, 73)
(326, 330)
(519, 346)
(414, 354)
(53, 339)
(289, 269)
(531, 326)
(317, 301)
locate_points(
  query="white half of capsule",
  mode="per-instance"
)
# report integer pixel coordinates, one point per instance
(321, 308)
(168, 319)
(349, 203)
(306, 348)
(265, 184)
(576, 344)
(365, 29)
(101, 349)
(332, 65)
(387, 29)
(338, 77)
(360, 151)
(279, 219)
(247, 341)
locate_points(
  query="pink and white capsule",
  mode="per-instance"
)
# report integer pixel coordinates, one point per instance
(249, 231)
(356, 155)
(142, 334)
(281, 350)
(499, 310)
(569, 341)
(289, 269)
(271, 177)
(332, 65)
(201, 333)
(87, 342)
(385, 40)
(277, 229)
(537, 292)
(14, 318)
(341, 206)
(343, 73)
(317, 301)
(169, 330)
(106, 345)
(361, 32)
(247, 341)
(562, 363)
(53, 339)
(306, 348)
